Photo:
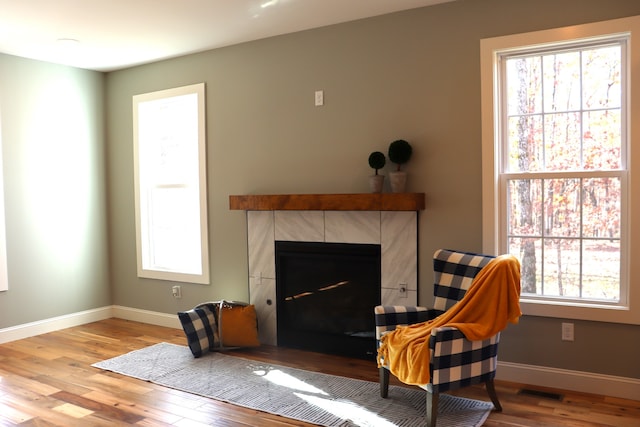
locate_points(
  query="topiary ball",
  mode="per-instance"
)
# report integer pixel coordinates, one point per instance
(400, 152)
(377, 160)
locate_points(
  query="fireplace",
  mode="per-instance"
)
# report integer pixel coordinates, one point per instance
(325, 295)
(388, 221)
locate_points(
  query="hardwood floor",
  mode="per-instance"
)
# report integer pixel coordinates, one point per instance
(48, 381)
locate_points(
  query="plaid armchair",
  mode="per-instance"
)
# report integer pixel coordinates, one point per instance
(455, 362)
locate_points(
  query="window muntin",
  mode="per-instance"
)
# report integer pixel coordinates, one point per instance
(562, 172)
(170, 173)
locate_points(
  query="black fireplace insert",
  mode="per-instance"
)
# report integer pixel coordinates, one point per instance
(325, 294)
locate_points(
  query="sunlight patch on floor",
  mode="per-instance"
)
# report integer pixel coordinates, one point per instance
(278, 377)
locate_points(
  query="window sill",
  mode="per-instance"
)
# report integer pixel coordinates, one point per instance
(577, 311)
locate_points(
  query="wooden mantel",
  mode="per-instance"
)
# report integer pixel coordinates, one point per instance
(329, 202)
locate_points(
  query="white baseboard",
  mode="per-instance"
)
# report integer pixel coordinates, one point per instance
(44, 326)
(542, 376)
(145, 316)
(565, 379)
(53, 324)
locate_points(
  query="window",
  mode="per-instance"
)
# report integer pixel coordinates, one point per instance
(170, 184)
(562, 171)
(556, 182)
(4, 276)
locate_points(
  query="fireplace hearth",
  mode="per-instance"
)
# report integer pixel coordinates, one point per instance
(325, 295)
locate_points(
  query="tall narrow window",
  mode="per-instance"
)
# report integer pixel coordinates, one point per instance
(4, 276)
(557, 182)
(170, 184)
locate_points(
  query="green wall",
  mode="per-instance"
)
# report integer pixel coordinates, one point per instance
(52, 120)
(413, 75)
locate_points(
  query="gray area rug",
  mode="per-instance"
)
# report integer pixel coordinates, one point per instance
(312, 397)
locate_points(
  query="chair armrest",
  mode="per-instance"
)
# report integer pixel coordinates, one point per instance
(388, 317)
(457, 362)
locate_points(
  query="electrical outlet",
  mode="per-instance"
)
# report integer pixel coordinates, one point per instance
(319, 98)
(176, 291)
(567, 332)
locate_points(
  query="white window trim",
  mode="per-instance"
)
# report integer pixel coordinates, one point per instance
(489, 48)
(4, 274)
(203, 278)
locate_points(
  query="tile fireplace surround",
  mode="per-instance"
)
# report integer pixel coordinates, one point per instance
(390, 220)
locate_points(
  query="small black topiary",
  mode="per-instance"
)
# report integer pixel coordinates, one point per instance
(377, 160)
(400, 152)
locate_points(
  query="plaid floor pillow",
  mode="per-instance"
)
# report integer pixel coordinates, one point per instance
(199, 325)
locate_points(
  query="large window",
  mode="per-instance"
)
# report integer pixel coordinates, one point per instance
(170, 184)
(557, 194)
(563, 168)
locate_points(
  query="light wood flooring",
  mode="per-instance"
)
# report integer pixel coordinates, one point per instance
(48, 380)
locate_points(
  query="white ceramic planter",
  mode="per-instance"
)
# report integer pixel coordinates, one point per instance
(375, 183)
(398, 181)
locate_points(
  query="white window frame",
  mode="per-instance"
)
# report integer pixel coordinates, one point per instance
(148, 267)
(4, 274)
(628, 311)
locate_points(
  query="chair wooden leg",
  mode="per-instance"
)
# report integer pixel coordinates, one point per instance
(384, 382)
(432, 408)
(491, 390)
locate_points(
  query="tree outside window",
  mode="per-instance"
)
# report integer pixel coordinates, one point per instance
(562, 168)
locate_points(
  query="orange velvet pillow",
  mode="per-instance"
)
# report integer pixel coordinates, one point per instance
(239, 326)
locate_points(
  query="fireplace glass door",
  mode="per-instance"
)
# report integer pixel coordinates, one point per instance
(326, 293)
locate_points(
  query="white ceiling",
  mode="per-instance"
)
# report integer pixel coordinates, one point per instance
(114, 34)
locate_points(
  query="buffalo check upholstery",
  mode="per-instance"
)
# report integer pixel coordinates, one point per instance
(203, 326)
(455, 362)
(200, 328)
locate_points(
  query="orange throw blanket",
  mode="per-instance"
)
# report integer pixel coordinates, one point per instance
(492, 300)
